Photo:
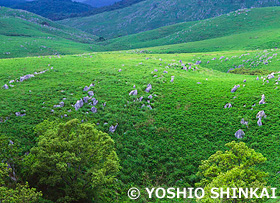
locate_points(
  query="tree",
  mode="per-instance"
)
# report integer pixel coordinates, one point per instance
(234, 168)
(72, 162)
(10, 190)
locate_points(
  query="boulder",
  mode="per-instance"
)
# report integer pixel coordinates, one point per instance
(235, 88)
(239, 134)
(94, 101)
(86, 88)
(261, 114)
(6, 87)
(228, 105)
(112, 128)
(90, 93)
(19, 114)
(93, 110)
(148, 89)
(262, 100)
(26, 77)
(85, 99)
(133, 92)
(79, 104)
(259, 122)
(61, 104)
(243, 122)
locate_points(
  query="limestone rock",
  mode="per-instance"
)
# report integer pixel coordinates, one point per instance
(79, 104)
(239, 134)
(133, 92)
(148, 89)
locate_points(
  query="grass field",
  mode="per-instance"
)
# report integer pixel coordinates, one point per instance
(26, 34)
(161, 135)
(162, 146)
(249, 29)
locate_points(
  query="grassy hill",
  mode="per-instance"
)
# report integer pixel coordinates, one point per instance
(26, 34)
(152, 14)
(247, 28)
(162, 146)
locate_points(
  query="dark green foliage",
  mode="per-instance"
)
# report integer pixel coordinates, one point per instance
(245, 71)
(72, 162)
(54, 9)
(10, 190)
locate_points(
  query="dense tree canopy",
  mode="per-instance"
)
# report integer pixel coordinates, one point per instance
(72, 161)
(234, 168)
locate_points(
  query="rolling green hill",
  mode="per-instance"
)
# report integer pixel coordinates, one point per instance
(26, 34)
(247, 28)
(152, 14)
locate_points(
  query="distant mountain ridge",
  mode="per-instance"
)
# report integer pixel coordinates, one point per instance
(52, 9)
(152, 14)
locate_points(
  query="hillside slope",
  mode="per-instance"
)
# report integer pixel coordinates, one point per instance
(26, 34)
(152, 14)
(241, 28)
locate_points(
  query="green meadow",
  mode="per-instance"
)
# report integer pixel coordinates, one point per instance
(162, 146)
(162, 135)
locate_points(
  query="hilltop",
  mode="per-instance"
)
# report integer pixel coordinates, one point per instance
(26, 34)
(152, 14)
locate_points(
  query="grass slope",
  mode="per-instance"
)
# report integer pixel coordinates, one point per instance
(159, 146)
(248, 28)
(152, 14)
(26, 34)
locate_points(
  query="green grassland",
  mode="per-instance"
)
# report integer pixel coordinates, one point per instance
(152, 14)
(162, 146)
(25, 34)
(187, 122)
(242, 29)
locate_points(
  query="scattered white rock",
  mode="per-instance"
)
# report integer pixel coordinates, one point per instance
(79, 104)
(239, 134)
(235, 88)
(133, 92)
(90, 93)
(149, 87)
(262, 100)
(93, 110)
(112, 128)
(6, 87)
